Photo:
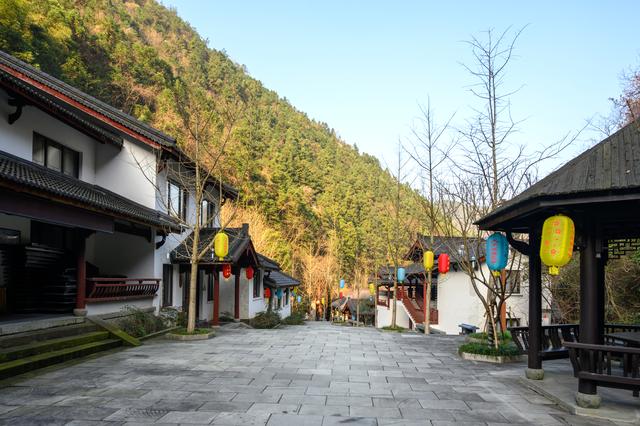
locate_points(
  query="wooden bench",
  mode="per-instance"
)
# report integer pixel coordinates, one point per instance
(553, 339)
(467, 328)
(606, 365)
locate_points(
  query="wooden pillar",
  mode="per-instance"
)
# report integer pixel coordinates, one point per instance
(601, 287)
(534, 370)
(236, 306)
(81, 278)
(215, 321)
(588, 301)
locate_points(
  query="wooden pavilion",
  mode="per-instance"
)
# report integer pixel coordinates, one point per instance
(600, 191)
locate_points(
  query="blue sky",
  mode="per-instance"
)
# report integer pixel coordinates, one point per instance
(363, 66)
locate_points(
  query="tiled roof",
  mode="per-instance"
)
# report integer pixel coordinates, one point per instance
(611, 166)
(450, 245)
(10, 65)
(239, 239)
(74, 118)
(280, 279)
(267, 263)
(50, 184)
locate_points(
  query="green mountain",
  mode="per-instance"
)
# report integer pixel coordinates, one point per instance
(315, 192)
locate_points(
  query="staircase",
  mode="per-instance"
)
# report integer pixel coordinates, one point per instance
(23, 352)
(414, 312)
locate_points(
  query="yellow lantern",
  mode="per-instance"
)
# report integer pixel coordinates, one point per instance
(372, 289)
(221, 245)
(322, 300)
(427, 260)
(556, 247)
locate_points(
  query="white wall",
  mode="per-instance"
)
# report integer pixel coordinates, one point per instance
(17, 138)
(129, 171)
(384, 316)
(112, 307)
(458, 302)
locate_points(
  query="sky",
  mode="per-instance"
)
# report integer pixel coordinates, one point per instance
(364, 67)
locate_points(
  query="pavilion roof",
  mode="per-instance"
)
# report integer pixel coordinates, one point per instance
(277, 279)
(610, 168)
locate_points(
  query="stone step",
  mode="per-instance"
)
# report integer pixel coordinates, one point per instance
(39, 347)
(23, 365)
(25, 338)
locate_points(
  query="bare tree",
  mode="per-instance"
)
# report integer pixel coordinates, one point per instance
(489, 167)
(402, 225)
(430, 154)
(207, 118)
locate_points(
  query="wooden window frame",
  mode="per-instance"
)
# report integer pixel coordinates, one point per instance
(257, 287)
(167, 285)
(181, 211)
(47, 142)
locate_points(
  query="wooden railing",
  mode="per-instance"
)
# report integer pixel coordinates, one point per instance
(605, 365)
(114, 289)
(554, 337)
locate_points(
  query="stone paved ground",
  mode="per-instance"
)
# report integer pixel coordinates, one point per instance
(316, 374)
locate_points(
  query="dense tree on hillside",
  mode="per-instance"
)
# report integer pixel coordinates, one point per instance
(310, 188)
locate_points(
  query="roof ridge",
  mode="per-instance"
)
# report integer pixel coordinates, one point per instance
(82, 97)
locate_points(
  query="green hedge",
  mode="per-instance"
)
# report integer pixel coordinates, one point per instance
(483, 349)
(396, 328)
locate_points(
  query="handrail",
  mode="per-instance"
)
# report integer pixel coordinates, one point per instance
(101, 289)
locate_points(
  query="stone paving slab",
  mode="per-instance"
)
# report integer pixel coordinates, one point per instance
(312, 375)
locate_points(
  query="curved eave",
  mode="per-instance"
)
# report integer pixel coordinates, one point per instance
(520, 217)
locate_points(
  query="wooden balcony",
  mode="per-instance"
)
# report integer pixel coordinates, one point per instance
(116, 289)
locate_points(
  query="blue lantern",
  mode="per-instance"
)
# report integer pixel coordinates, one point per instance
(299, 299)
(279, 293)
(342, 283)
(497, 253)
(400, 275)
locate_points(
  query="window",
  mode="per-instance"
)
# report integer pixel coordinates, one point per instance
(513, 322)
(513, 282)
(207, 214)
(176, 200)
(257, 278)
(167, 285)
(55, 156)
(286, 297)
(209, 286)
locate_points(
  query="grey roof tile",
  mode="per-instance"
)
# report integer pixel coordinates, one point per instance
(47, 183)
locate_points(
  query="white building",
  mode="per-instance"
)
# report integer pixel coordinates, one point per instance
(454, 300)
(85, 225)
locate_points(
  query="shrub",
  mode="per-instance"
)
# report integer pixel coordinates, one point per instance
(265, 320)
(183, 331)
(226, 317)
(170, 316)
(396, 328)
(482, 349)
(296, 318)
(138, 323)
(504, 336)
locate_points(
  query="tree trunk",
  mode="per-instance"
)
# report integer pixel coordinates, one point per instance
(427, 302)
(393, 306)
(193, 282)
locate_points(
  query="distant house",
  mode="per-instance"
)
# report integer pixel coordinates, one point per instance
(453, 298)
(84, 223)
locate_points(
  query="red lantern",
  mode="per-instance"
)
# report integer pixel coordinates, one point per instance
(226, 270)
(249, 272)
(443, 263)
(267, 293)
(340, 295)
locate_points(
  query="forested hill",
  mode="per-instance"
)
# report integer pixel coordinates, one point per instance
(316, 195)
